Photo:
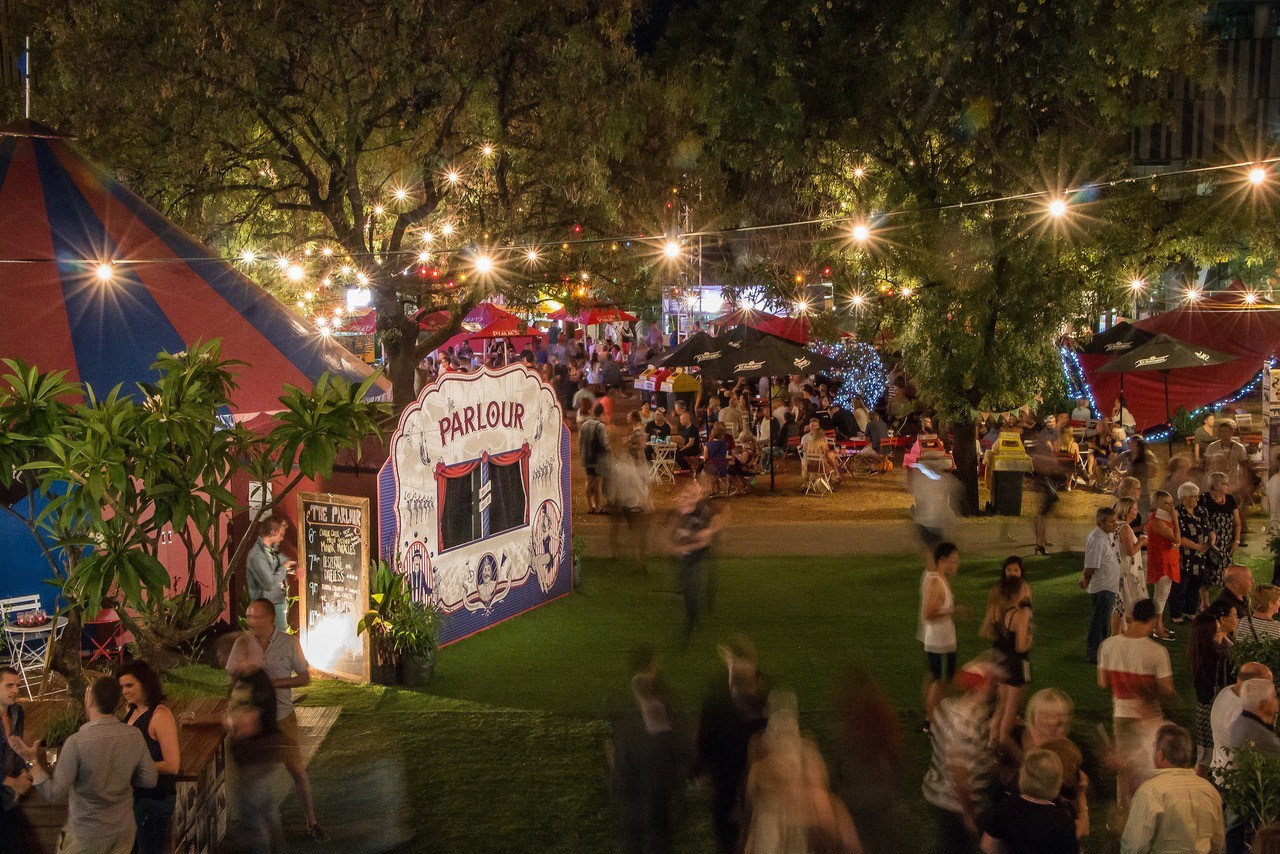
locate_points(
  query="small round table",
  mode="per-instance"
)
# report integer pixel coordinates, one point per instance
(28, 646)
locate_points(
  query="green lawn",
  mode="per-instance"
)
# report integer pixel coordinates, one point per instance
(504, 752)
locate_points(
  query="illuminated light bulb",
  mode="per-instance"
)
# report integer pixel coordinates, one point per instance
(532, 256)
(1193, 294)
(296, 273)
(446, 229)
(802, 306)
(362, 278)
(861, 232)
(858, 300)
(1257, 175)
(401, 195)
(283, 262)
(859, 172)
(327, 251)
(247, 256)
(585, 276)
(427, 236)
(906, 290)
(691, 299)
(377, 210)
(309, 295)
(326, 282)
(671, 249)
(301, 304)
(346, 271)
(452, 177)
(1136, 284)
(484, 264)
(424, 257)
(105, 272)
(338, 312)
(308, 252)
(1057, 208)
(1250, 297)
(487, 150)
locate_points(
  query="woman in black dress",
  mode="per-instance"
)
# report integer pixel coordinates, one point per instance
(1197, 538)
(1224, 518)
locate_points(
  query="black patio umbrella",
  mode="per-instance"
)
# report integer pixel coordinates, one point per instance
(697, 350)
(1163, 353)
(748, 353)
(1119, 339)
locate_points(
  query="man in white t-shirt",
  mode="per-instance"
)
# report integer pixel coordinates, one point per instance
(1101, 578)
(1227, 707)
(1139, 675)
(937, 625)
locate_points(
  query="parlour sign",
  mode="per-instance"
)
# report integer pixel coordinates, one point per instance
(473, 500)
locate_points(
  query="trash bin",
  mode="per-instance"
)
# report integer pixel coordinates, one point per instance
(1009, 464)
(680, 386)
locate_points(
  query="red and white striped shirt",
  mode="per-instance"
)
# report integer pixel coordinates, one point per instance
(1132, 666)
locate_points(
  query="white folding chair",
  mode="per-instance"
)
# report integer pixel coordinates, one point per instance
(28, 649)
(816, 476)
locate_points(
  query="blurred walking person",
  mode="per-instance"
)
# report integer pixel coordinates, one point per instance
(732, 713)
(792, 809)
(256, 757)
(693, 527)
(648, 762)
(628, 484)
(872, 754)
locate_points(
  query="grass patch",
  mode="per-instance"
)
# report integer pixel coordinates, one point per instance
(504, 751)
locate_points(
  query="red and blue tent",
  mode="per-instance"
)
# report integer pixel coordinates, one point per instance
(62, 218)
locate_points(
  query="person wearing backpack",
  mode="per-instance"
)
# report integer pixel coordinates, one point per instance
(593, 448)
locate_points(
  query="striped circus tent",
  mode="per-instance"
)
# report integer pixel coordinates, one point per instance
(96, 282)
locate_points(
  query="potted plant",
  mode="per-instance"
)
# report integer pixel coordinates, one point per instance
(60, 729)
(403, 634)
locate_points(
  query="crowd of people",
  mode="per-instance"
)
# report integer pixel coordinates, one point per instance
(118, 772)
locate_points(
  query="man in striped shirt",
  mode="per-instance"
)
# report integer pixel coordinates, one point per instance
(1176, 811)
(958, 783)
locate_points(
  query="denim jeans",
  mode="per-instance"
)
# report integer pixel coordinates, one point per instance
(153, 816)
(1104, 602)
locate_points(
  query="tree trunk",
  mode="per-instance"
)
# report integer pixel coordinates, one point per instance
(965, 453)
(67, 661)
(402, 368)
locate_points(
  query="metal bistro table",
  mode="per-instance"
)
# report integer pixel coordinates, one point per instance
(28, 646)
(663, 465)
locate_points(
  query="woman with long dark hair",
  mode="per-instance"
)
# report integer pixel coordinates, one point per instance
(1209, 660)
(1008, 624)
(152, 807)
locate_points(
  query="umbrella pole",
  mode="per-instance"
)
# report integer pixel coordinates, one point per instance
(1122, 427)
(773, 439)
(1167, 417)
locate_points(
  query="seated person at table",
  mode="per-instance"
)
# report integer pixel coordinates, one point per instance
(657, 430)
(646, 413)
(1068, 451)
(744, 460)
(814, 444)
(1103, 445)
(842, 421)
(689, 446)
(717, 456)
(733, 416)
(1127, 423)
(1082, 414)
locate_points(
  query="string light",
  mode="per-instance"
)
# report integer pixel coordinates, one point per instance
(531, 256)
(484, 264)
(487, 150)
(1257, 175)
(1193, 294)
(671, 249)
(452, 177)
(401, 195)
(907, 291)
(1250, 297)
(104, 272)
(295, 273)
(446, 229)
(858, 300)
(377, 210)
(247, 256)
(1057, 208)
(283, 262)
(861, 232)
(327, 251)
(859, 172)
(1136, 284)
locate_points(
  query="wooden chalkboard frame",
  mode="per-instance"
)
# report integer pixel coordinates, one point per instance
(363, 504)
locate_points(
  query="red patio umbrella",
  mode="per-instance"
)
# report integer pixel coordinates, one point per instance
(486, 314)
(605, 314)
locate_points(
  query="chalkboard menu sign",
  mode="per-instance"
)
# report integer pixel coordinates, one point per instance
(333, 558)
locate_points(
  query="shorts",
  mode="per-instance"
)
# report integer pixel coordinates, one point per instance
(942, 665)
(290, 743)
(1015, 670)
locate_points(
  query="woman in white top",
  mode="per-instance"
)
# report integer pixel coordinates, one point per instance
(1261, 624)
(1133, 579)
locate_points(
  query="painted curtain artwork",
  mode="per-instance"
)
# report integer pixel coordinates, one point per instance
(474, 498)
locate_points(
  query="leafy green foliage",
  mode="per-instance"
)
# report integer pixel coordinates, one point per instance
(1246, 649)
(1251, 786)
(63, 726)
(396, 624)
(122, 476)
